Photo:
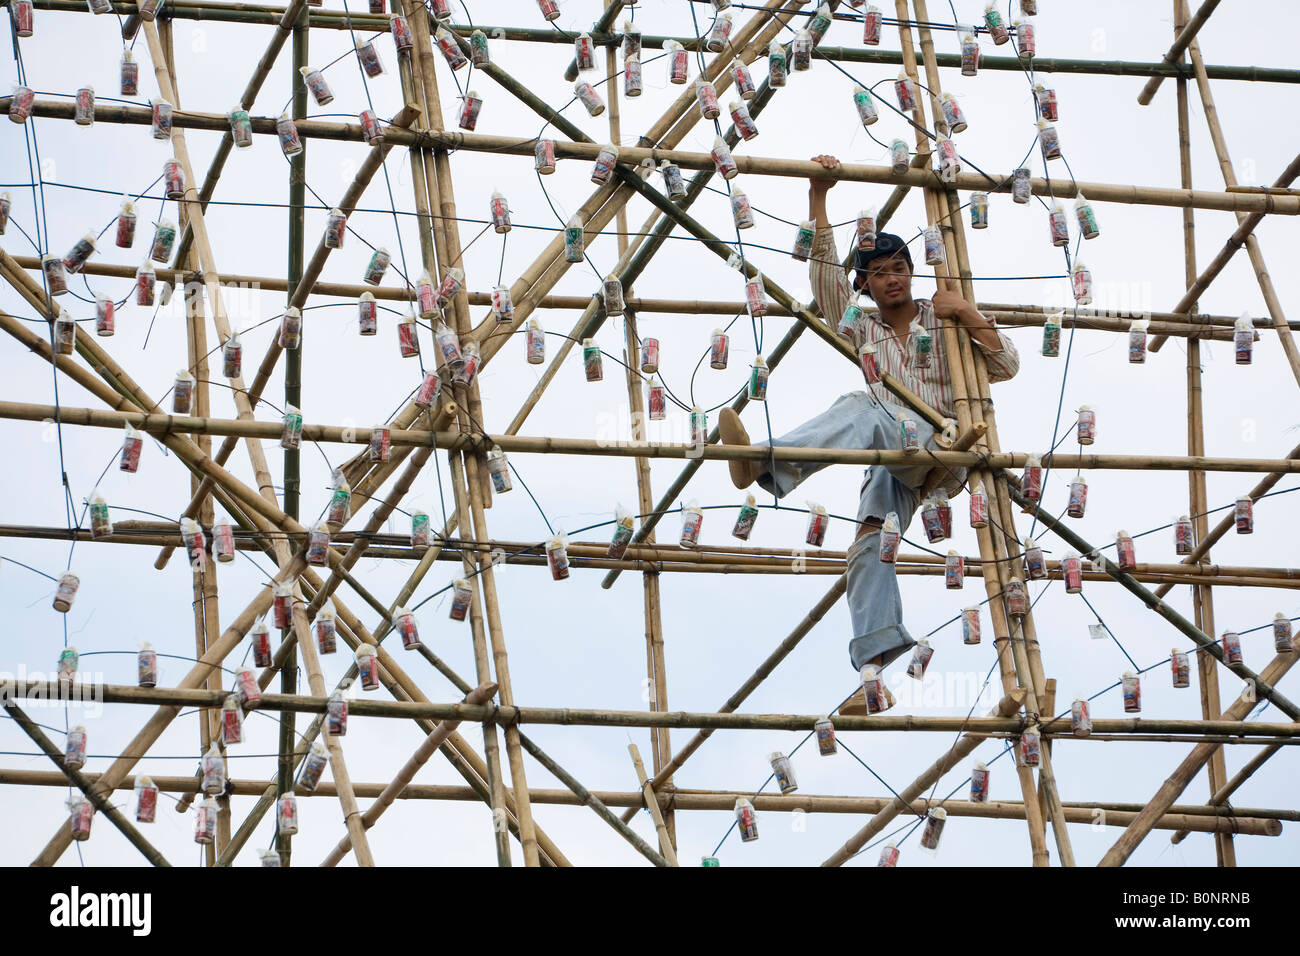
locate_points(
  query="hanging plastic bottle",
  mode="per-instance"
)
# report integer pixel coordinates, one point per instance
(161, 118)
(720, 35)
(326, 629)
(380, 443)
(499, 210)
(314, 80)
(723, 162)
(367, 667)
(1016, 598)
(286, 814)
(742, 121)
(741, 211)
(182, 393)
(574, 240)
(590, 99)
(953, 114)
(340, 507)
(699, 423)
(291, 328)
(377, 266)
(970, 625)
(83, 111)
(818, 523)
(246, 686)
(69, 660)
(129, 71)
(871, 24)
(318, 545)
(460, 599)
(633, 81)
(1035, 566)
(132, 444)
(1080, 718)
(758, 374)
(313, 765)
(534, 343)
(803, 241)
(100, 525)
(544, 156)
(290, 143)
(368, 57)
(1231, 642)
(370, 128)
(979, 784)
(824, 730)
(1078, 500)
(214, 771)
(744, 83)
(401, 32)
(655, 402)
(719, 347)
(1181, 666)
(56, 275)
(852, 317)
(801, 48)
(65, 333)
(23, 17)
(1283, 642)
(1086, 429)
(499, 470)
(232, 721)
(223, 540)
(865, 105)
(1125, 552)
(746, 820)
(282, 605)
(623, 530)
(954, 571)
(1026, 44)
(584, 53)
(1243, 514)
(979, 506)
(783, 772)
(259, 637)
(778, 65)
(692, 521)
(921, 654)
(1029, 747)
(1137, 342)
(471, 104)
(1243, 338)
(1081, 279)
(592, 361)
(996, 26)
(479, 53)
(905, 90)
(746, 518)
(450, 49)
(146, 800)
(503, 309)
(970, 54)
(1031, 480)
(1086, 217)
(1072, 572)
(1132, 691)
(935, 818)
(336, 229)
(935, 254)
(900, 157)
(1052, 334)
(146, 662)
(408, 342)
(1184, 537)
(557, 557)
(889, 535)
(1028, 8)
(407, 628)
(80, 812)
(1049, 140)
(612, 293)
(631, 39)
(448, 343)
(650, 355)
(336, 714)
(602, 173)
(1057, 225)
(888, 855)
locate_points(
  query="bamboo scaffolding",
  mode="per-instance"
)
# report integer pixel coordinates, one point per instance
(1202, 597)
(632, 156)
(1009, 704)
(1186, 34)
(255, 14)
(79, 780)
(419, 707)
(1198, 819)
(1220, 797)
(652, 804)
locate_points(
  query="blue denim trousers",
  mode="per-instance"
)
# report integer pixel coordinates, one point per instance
(856, 421)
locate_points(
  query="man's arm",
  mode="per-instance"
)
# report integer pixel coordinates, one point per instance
(999, 353)
(825, 274)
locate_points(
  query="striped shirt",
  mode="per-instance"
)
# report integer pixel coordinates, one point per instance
(830, 284)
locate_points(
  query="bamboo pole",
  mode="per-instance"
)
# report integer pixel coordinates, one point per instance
(631, 156)
(1136, 831)
(1202, 597)
(1186, 34)
(1009, 704)
(652, 804)
(79, 780)
(479, 695)
(1220, 797)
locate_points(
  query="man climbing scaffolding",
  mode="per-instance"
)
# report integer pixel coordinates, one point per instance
(870, 420)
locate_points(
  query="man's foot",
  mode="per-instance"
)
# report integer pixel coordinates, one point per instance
(856, 706)
(732, 432)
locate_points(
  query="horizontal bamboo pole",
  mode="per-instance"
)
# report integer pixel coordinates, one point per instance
(1221, 796)
(1203, 818)
(569, 716)
(256, 14)
(246, 428)
(754, 165)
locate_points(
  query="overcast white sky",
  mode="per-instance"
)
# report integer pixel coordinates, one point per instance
(572, 643)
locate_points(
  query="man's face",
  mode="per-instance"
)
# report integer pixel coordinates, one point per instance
(890, 281)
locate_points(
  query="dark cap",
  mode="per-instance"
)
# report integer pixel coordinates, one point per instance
(887, 245)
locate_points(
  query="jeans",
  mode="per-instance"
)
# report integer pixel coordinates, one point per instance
(856, 421)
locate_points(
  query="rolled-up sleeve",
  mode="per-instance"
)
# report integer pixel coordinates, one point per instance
(1003, 363)
(830, 286)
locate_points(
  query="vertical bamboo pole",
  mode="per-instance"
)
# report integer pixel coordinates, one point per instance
(1202, 599)
(434, 237)
(656, 670)
(956, 349)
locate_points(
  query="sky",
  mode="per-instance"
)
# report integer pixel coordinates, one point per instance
(573, 643)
